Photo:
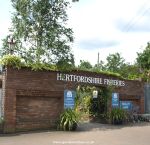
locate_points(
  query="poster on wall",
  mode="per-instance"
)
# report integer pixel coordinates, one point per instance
(115, 100)
(127, 105)
(69, 97)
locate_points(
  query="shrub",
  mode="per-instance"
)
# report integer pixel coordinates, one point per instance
(68, 120)
(11, 60)
(118, 116)
(133, 118)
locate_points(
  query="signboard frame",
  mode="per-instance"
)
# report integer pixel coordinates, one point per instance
(69, 99)
(115, 100)
(126, 105)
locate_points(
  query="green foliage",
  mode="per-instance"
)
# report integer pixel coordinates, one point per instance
(83, 101)
(11, 60)
(114, 62)
(116, 66)
(89, 106)
(100, 66)
(40, 30)
(103, 102)
(83, 98)
(101, 72)
(146, 76)
(143, 62)
(68, 120)
(85, 104)
(110, 73)
(143, 58)
(104, 99)
(17, 62)
(130, 71)
(41, 66)
(118, 115)
(101, 105)
(65, 64)
(85, 65)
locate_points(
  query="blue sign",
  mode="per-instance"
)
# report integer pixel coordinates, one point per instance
(127, 105)
(69, 96)
(115, 100)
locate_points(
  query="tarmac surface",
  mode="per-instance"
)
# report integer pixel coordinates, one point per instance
(87, 134)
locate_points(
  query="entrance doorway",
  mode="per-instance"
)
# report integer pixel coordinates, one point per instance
(90, 107)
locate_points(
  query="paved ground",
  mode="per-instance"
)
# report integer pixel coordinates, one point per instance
(87, 134)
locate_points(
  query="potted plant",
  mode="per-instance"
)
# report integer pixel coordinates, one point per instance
(118, 116)
(68, 120)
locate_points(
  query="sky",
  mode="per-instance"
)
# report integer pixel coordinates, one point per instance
(101, 26)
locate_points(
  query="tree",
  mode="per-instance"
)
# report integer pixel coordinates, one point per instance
(85, 65)
(41, 27)
(100, 66)
(143, 58)
(130, 71)
(114, 62)
(143, 61)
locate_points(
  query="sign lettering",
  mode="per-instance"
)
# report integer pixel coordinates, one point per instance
(89, 80)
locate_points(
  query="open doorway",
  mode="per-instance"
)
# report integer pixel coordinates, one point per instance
(93, 107)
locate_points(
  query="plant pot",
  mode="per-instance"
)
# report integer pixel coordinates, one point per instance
(74, 127)
(117, 122)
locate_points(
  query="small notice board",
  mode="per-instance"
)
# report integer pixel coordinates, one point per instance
(127, 105)
(115, 100)
(69, 97)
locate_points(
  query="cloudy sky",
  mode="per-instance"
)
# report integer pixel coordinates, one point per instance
(103, 26)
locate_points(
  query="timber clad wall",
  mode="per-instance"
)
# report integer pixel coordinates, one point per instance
(34, 99)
